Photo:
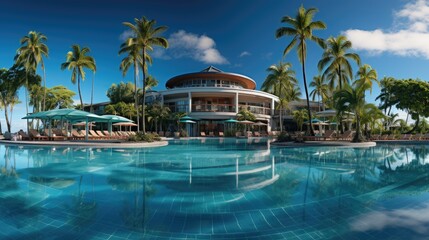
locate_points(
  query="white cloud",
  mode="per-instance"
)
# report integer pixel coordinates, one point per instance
(245, 53)
(189, 45)
(125, 35)
(414, 219)
(409, 37)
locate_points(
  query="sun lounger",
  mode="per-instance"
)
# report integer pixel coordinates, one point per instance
(77, 136)
(211, 134)
(93, 135)
(202, 134)
(221, 134)
(102, 135)
(24, 136)
(328, 135)
(405, 137)
(53, 136)
(35, 135)
(257, 134)
(347, 135)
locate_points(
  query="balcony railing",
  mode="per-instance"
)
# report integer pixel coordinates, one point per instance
(256, 109)
(213, 108)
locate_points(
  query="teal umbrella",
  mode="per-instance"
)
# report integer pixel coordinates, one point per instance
(188, 118)
(115, 119)
(231, 121)
(68, 114)
(187, 121)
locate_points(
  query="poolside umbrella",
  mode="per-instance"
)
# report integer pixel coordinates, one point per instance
(246, 122)
(124, 124)
(67, 114)
(187, 121)
(114, 119)
(231, 121)
(80, 124)
(188, 118)
(259, 124)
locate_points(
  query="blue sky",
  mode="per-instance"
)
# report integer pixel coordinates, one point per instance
(235, 36)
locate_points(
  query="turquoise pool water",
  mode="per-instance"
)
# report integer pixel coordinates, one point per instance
(214, 188)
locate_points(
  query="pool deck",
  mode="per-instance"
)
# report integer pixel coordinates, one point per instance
(96, 143)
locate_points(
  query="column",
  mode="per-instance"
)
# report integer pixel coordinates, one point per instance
(272, 106)
(189, 102)
(236, 102)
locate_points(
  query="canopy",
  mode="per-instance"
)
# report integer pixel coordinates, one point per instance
(72, 115)
(246, 122)
(314, 120)
(187, 121)
(115, 118)
(231, 121)
(259, 123)
(188, 118)
(83, 124)
(126, 124)
(68, 114)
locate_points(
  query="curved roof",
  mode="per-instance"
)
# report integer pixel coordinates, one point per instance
(213, 73)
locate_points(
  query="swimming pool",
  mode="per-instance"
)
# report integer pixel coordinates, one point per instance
(214, 188)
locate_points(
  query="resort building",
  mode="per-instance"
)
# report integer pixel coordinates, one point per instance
(213, 96)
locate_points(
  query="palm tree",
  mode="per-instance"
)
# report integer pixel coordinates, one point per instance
(366, 75)
(336, 58)
(145, 36)
(31, 53)
(77, 60)
(133, 58)
(280, 82)
(301, 28)
(353, 100)
(299, 116)
(320, 88)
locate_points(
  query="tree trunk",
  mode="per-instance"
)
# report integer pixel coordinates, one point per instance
(306, 95)
(80, 93)
(7, 119)
(340, 77)
(281, 119)
(144, 90)
(44, 87)
(136, 97)
(416, 125)
(92, 93)
(358, 136)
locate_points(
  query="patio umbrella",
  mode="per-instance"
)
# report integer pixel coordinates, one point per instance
(231, 121)
(246, 122)
(187, 121)
(67, 114)
(124, 124)
(188, 118)
(259, 123)
(80, 124)
(114, 119)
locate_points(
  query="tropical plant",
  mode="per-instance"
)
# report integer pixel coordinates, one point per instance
(133, 58)
(245, 115)
(8, 95)
(366, 75)
(371, 115)
(300, 116)
(335, 60)
(30, 55)
(320, 89)
(122, 92)
(76, 61)
(59, 97)
(301, 28)
(353, 100)
(145, 35)
(280, 82)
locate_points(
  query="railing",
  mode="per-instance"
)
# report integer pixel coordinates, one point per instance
(179, 108)
(256, 109)
(213, 108)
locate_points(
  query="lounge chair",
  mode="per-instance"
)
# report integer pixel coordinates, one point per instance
(24, 136)
(35, 135)
(405, 137)
(257, 134)
(60, 134)
(347, 135)
(211, 134)
(221, 134)
(93, 135)
(77, 136)
(328, 135)
(249, 134)
(203, 134)
(53, 136)
(102, 135)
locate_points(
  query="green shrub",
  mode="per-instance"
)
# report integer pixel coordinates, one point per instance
(141, 137)
(284, 137)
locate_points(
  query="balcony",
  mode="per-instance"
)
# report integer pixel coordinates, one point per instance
(256, 109)
(213, 108)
